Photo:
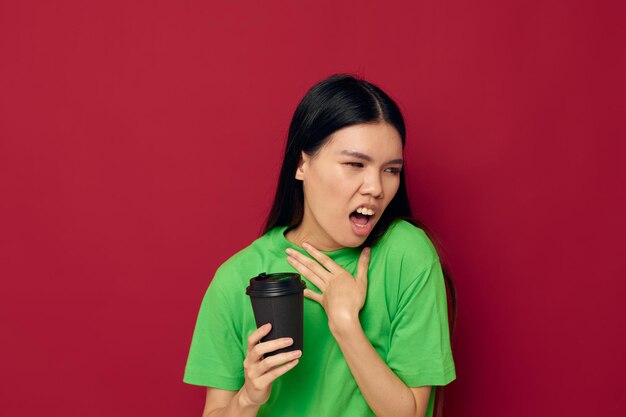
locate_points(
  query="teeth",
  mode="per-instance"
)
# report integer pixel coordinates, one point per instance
(366, 211)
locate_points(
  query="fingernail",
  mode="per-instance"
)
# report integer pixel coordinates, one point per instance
(296, 353)
(366, 251)
(289, 251)
(288, 341)
(305, 245)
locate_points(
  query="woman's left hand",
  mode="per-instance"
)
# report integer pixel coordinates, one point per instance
(342, 295)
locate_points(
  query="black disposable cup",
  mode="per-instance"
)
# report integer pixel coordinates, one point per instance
(279, 299)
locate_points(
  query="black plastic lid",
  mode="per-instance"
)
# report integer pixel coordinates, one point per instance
(274, 285)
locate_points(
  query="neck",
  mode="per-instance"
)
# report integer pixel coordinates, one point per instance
(300, 234)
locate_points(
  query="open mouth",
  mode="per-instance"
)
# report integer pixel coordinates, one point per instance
(362, 221)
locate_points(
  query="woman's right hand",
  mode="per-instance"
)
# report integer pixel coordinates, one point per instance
(261, 372)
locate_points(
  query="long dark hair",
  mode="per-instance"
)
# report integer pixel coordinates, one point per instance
(340, 101)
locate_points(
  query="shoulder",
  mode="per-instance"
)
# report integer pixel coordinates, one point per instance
(408, 241)
(243, 265)
(408, 258)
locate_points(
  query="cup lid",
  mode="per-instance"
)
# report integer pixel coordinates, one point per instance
(274, 285)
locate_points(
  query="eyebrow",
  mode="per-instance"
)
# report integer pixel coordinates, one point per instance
(368, 158)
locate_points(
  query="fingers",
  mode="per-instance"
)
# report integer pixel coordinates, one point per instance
(270, 376)
(322, 258)
(306, 267)
(256, 336)
(261, 372)
(255, 368)
(269, 363)
(308, 262)
(261, 349)
(313, 295)
(257, 350)
(258, 387)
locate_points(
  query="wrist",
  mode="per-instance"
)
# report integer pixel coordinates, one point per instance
(344, 325)
(244, 402)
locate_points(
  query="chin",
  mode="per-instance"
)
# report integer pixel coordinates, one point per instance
(354, 242)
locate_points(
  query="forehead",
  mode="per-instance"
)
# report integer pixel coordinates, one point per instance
(380, 141)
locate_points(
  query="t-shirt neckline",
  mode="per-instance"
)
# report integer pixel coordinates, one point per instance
(280, 242)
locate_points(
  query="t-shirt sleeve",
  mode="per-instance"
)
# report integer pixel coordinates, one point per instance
(216, 356)
(420, 352)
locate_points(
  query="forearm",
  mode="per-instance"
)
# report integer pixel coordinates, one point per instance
(384, 392)
(238, 406)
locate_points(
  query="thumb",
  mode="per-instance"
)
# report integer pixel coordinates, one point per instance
(361, 273)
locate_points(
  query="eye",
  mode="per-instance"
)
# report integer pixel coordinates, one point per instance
(395, 171)
(355, 164)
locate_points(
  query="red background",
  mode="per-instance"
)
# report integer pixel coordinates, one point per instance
(140, 146)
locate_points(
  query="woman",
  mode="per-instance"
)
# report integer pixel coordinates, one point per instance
(376, 322)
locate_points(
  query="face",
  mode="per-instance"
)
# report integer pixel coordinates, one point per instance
(358, 167)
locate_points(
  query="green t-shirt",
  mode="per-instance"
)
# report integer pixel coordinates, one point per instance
(404, 317)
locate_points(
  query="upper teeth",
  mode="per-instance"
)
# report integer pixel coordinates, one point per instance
(366, 211)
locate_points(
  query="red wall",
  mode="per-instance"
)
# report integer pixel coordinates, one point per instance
(139, 148)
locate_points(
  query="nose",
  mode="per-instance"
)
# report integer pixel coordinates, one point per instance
(372, 184)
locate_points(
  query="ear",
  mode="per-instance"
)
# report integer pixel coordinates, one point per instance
(302, 166)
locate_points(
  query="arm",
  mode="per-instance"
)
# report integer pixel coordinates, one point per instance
(342, 297)
(259, 372)
(221, 402)
(384, 392)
